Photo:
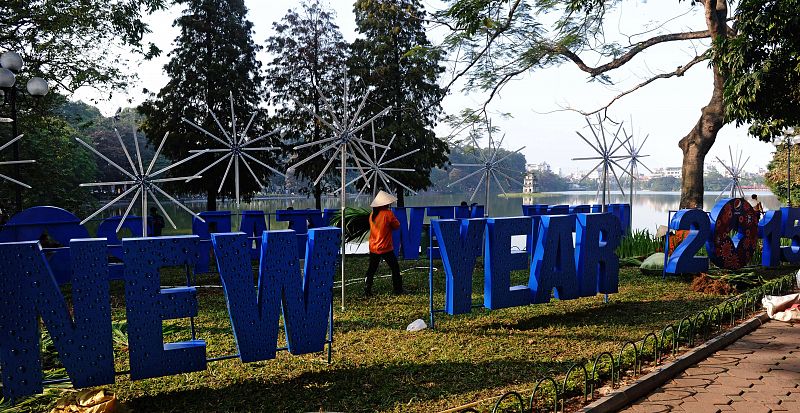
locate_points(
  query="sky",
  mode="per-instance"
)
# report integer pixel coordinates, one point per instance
(666, 110)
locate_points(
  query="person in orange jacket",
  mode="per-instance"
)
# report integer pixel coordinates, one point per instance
(381, 224)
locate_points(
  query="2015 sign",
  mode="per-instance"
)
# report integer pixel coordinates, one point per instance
(84, 339)
(737, 217)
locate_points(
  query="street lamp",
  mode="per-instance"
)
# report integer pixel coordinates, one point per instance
(10, 64)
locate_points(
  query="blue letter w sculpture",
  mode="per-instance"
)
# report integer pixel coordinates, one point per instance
(28, 290)
(305, 301)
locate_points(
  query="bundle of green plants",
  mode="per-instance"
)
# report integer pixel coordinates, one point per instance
(741, 281)
(640, 243)
(356, 223)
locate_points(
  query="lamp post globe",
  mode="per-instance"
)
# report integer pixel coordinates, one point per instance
(37, 87)
(7, 78)
(11, 61)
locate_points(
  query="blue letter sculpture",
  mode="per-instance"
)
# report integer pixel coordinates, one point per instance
(596, 242)
(790, 229)
(410, 231)
(769, 230)
(460, 245)
(29, 289)
(500, 261)
(147, 305)
(553, 263)
(683, 260)
(305, 301)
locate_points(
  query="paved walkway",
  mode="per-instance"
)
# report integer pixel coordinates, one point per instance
(760, 373)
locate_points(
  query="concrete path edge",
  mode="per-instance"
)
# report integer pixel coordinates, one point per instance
(651, 381)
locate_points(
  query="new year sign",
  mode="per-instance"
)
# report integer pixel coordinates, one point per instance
(557, 265)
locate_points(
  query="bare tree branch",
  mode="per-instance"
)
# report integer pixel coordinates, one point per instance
(631, 53)
(680, 71)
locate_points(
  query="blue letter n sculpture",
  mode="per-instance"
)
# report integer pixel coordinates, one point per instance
(305, 301)
(28, 289)
(460, 245)
(147, 305)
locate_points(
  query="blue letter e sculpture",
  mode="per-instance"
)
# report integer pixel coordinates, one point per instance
(28, 290)
(500, 261)
(147, 305)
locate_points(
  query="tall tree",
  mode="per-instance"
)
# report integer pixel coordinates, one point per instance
(499, 40)
(762, 67)
(395, 58)
(214, 55)
(310, 56)
(76, 43)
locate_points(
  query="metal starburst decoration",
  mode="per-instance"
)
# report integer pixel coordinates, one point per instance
(144, 181)
(490, 167)
(376, 170)
(346, 143)
(3, 163)
(634, 162)
(235, 147)
(606, 152)
(344, 138)
(735, 170)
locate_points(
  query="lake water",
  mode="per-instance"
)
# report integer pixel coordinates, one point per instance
(649, 208)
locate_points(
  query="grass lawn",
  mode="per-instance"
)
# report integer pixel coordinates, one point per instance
(378, 366)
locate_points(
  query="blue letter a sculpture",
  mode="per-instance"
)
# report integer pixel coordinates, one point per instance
(305, 301)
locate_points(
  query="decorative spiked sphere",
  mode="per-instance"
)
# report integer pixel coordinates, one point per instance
(143, 181)
(490, 167)
(237, 148)
(3, 163)
(735, 170)
(606, 154)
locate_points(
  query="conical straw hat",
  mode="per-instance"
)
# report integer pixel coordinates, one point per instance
(383, 199)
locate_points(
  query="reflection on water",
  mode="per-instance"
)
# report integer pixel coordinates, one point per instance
(649, 208)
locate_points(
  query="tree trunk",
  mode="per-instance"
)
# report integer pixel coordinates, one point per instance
(211, 200)
(318, 196)
(698, 142)
(401, 196)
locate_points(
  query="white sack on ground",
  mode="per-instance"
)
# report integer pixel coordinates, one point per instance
(779, 307)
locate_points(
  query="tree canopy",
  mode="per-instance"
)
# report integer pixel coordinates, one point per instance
(496, 41)
(309, 57)
(395, 58)
(762, 67)
(214, 58)
(77, 43)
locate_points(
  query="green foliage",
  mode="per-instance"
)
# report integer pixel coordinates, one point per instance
(214, 56)
(762, 67)
(389, 58)
(640, 243)
(356, 223)
(776, 176)
(61, 166)
(664, 183)
(77, 43)
(309, 55)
